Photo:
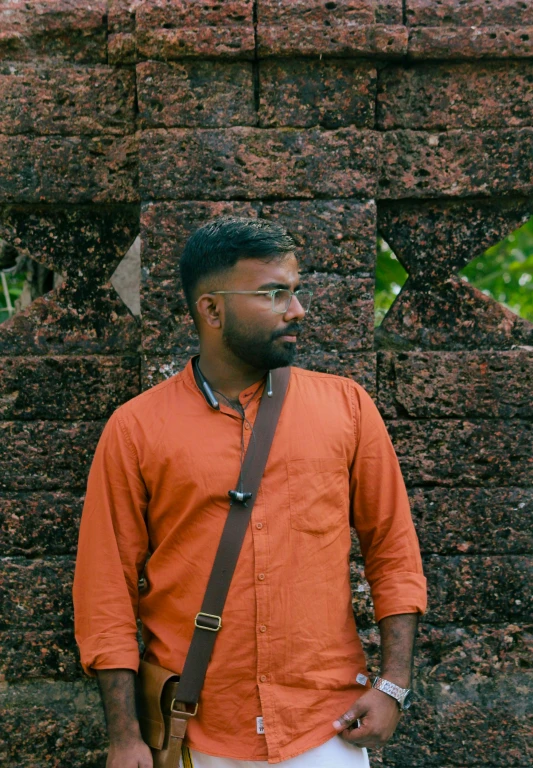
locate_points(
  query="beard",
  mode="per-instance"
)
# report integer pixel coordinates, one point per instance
(257, 349)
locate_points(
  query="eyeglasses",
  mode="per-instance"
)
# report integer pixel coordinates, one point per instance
(281, 298)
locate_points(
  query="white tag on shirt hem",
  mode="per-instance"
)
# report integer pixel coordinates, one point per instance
(260, 726)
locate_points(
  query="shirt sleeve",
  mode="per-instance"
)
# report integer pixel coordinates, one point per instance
(382, 518)
(112, 550)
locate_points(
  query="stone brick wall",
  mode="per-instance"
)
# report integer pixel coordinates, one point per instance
(338, 119)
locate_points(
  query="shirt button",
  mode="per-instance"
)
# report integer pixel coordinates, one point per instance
(263, 678)
(261, 577)
(259, 526)
(262, 628)
(246, 425)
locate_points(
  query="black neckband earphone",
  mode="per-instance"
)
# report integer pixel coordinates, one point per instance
(208, 392)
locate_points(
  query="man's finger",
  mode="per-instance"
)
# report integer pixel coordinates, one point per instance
(349, 718)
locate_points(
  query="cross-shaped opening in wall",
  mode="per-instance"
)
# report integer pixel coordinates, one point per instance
(23, 280)
(504, 272)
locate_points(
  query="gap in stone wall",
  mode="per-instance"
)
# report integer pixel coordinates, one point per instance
(390, 277)
(505, 271)
(24, 280)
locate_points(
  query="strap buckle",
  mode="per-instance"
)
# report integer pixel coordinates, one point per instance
(183, 712)
(205, 621)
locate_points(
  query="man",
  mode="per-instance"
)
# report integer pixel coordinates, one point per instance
(288, 672)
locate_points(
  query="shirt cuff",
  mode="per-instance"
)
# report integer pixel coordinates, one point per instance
(109, 652)
(404, 592)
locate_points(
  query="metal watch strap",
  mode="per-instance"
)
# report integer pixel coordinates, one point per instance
(391, 689)
(208, 621)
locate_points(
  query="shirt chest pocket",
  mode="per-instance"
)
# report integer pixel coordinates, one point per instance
(318, 495)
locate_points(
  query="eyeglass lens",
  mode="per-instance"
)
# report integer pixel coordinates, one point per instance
(281, 299)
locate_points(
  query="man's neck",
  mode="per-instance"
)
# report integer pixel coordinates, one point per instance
(229, 378)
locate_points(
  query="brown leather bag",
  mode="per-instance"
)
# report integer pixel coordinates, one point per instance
(165, 700)
(163, 720)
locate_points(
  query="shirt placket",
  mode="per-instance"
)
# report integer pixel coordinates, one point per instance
(263, 594)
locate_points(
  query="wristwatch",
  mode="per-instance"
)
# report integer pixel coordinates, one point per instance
(403, 696)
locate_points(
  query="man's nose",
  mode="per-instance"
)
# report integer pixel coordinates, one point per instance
(295, 310)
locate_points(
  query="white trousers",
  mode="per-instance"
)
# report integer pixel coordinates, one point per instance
(335, 753)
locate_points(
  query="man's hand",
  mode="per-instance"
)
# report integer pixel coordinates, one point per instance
(129, 754)
(379, 715)
(126, 747)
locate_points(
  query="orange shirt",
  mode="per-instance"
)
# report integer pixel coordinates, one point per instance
(288, 649)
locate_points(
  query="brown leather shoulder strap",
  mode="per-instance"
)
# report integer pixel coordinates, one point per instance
(208, 622)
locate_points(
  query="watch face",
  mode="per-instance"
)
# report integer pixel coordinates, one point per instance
(408, 700)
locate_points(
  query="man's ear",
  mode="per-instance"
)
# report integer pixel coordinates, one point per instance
(208, 308)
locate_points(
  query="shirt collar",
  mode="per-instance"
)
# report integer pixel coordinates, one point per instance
(195, 383)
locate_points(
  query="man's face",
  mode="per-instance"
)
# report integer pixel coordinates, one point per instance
(251, 330)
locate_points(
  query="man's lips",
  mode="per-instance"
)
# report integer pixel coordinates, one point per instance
(290, 338)
(290, 335)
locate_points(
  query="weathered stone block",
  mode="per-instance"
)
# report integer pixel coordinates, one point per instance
(122, 49)
(477, 13)
(46, 455)
(173, 29)
(121, 15)
(457, 453)
(53, 29)
(469, 42)
(332, 235)
(459, 95)
(175, 13)
(425, 385)
(450, 654)
(345, 27)
(454, 316)
(57, 723)
(60, 237)
(196, 93)
(81, 321)
(457, 163)
(341, 318)
(37, 620)
(167, 328)
(435, 239)
(253, 163)
(45, 387)
(303, 93)
(461, 721)
(477, 589)
(36, 524)
(453, 521)
(301, 38)
(389, 11)
(54, 99)
(359, 366)
(31, 654)
(54, 169)
(172, 44)
(315, 11)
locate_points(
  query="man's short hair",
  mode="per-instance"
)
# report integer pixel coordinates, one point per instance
(220, 244)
